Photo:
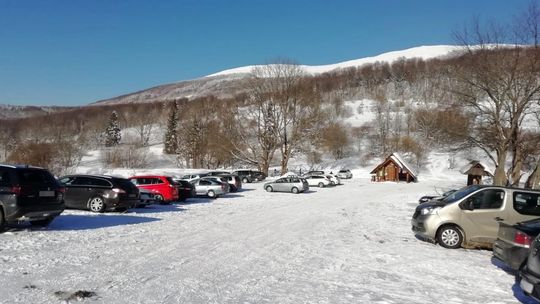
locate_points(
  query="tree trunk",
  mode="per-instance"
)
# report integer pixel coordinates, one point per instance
(499, 178)
(534, 180)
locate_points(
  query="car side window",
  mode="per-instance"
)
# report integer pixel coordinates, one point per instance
(205, 183)
(67, 180)
(81, 181)
(157, 181)
(488, 199)
(100, 182)
(527, 203)
(4, 178)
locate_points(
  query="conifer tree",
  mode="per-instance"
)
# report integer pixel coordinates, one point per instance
(113, 134)
(171, 136)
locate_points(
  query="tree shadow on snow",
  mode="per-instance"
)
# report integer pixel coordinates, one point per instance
(85, 222)
(197, 200)
(156, 208)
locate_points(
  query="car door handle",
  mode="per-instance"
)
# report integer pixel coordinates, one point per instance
(498, 219)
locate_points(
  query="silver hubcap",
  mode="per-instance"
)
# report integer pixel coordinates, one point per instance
(96, 204)
(294, 190)
(450, 237)
(211, 193)
(269, 189)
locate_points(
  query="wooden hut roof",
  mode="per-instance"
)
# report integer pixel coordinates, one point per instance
(399, 161)
(476, 168)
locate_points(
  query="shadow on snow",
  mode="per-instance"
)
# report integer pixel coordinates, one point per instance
(84, 222)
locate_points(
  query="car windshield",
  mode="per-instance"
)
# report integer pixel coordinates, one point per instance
(461, 193)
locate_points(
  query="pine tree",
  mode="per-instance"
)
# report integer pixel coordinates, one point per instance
(112, 132)
(171, 137)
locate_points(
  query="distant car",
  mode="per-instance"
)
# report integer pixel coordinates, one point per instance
(217, 172)
(292, 184)
(99, 193)
(210, 188)
(193, 177)
(513, 242)
(164, 187)
(146, 197)
(320, 181)
(234, 181)
(529, 274)
(185, 190)
(427, 198)
(334, 179)
(314, 172)
(221, 180)
(29, 193)
(345, 173)
(249, 176)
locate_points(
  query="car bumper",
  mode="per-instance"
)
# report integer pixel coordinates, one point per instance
(423, 227)
(511, 255)
(530, 284)
(43, 212)
(120, 204)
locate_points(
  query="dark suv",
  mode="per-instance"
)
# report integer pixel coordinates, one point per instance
(249, 176)
(29, 193)
(98, 193)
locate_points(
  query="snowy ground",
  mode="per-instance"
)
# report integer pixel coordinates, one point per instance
(349, 244)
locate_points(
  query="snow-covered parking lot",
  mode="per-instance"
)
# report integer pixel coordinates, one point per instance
(348, 244)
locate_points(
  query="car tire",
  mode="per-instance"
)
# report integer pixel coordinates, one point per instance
(269, 189)
(294, 190)
(245, 180)
(450, 237)
(159, 199)
(42, 223)
(2, 220)
(211, 194)
(96, 204)
(321, 185)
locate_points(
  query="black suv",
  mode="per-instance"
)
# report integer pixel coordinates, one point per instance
(29, 194)
(98, 193)
(249, 176)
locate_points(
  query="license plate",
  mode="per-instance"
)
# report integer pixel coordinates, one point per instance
(46, 193)
(132, 195)
(526, 286)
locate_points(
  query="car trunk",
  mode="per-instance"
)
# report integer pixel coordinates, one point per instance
(533, 262)
(132, 192)
(37, 187)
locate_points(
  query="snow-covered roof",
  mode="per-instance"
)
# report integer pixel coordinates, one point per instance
(403, 164)
(465, 169)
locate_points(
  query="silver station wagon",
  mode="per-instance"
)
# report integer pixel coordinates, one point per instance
(292, 184)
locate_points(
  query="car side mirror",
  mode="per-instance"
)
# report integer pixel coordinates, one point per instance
(467, 205)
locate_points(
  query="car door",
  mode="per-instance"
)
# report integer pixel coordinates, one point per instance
(202, 187)
(482, 223)
(79, 192)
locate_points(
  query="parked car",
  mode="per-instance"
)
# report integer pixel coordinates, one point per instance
(29, 194)
(235, 183)
(318, 181)
(99, 193)
(249, 176)
(193, 177)
(221, 180)
(165, 189)
(292, 184)
(334, 179)
(185, 190)
(217, 172)
(529, 274)
(315, 172)
(146, 197)
(427, 198)
(470, 216)
(513, 242)
(345, 173)
(210, 188)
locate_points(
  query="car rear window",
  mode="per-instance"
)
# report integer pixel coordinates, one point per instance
(527, 203)
(5, 179)
(125, 184)
(35, 176)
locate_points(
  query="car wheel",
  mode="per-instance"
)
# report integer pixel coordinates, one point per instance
(294, 190)
(42, 223)
(211, 194)
(245, 180)
(450, 237)
(321, 185)
(97, 204)
(159, 199)
(2, 220)
(269, 189)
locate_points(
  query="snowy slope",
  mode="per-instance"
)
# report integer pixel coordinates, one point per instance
(421, 52)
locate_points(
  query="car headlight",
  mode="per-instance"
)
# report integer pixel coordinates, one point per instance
(430, 210)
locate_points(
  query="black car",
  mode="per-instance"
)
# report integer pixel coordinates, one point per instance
(249, 176)
(427, 198)
(185, 190)
(98, 193)
(529, 275)
(29, 194)
(513, 242)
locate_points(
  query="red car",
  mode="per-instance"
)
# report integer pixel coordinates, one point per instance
(163, 187)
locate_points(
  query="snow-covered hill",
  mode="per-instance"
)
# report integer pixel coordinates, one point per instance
(13, 111)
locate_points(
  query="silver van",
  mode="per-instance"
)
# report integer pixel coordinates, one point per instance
(470, 217)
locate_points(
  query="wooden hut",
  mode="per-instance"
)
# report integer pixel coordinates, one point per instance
(475, 171)
(395, 169)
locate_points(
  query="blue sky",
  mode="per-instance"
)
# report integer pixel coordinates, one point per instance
(73, 52)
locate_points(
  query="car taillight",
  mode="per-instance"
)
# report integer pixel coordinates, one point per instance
(118, 190)
(16, 190)
(522, 238)
(62, 190)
